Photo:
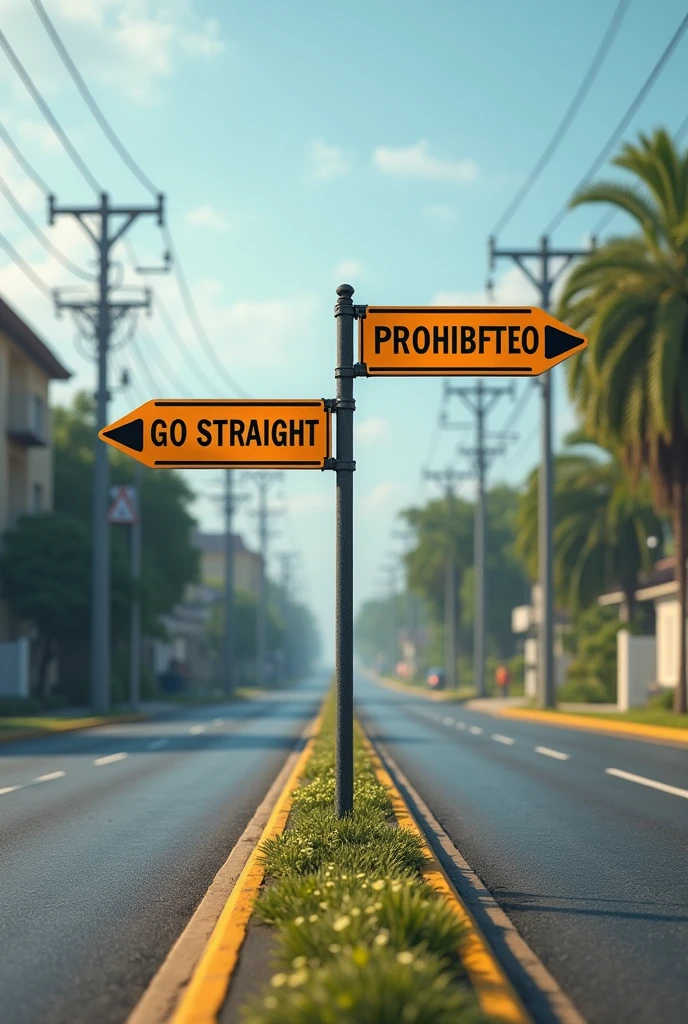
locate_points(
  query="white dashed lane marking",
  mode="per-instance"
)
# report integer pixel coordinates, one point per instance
(556, 754)
(506, 740)
(50, 777)
(475, 729)
(460, 725)
(110, 759)
(447, 721)
(663, 787)
(195, 730)
(9, 789)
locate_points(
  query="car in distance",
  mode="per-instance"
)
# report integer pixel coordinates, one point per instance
(435, 678)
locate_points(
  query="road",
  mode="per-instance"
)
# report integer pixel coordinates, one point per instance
(581, 837)
(110, 838)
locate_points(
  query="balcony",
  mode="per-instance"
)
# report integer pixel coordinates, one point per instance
(27, 422)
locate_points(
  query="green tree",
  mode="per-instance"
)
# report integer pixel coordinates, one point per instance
(44, 576)
(630, 297)
(601, 526)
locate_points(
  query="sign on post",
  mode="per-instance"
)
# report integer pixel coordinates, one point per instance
(455, 341)
(207, 433)
(123, 511)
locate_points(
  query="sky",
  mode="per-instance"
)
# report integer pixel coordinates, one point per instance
(302, 145)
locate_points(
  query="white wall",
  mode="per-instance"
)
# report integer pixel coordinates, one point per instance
(667, 623)
(636, 662)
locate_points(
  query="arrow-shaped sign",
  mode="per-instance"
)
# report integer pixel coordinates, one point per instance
(198, 434)
(463, 341)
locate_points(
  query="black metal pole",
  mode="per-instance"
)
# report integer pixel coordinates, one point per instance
(344, 582)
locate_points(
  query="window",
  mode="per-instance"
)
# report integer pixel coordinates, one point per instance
(37, 499)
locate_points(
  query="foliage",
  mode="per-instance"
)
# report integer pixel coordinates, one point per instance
(630, 297)
(592, 675)
(361, 936)
(45, 578)
(601, 525)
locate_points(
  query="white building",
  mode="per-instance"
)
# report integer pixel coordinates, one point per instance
(525, 621)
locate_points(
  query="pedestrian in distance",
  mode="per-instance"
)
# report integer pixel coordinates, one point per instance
(502, 679)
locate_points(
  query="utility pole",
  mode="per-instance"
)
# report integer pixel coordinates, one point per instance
(390, 570)
(228, 680)
(449, 478)
(286, 559)
(102, 314)
(543, 280)
(263, 480)
(135, 628)
(480, 399)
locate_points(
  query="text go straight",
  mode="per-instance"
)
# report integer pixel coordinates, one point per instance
(457, 341)
(206, 433)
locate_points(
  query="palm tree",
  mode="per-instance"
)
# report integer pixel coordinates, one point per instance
(601, 527)
(630, 297)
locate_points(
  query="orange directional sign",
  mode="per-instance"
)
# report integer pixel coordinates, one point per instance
(198, 434)
(453, 341)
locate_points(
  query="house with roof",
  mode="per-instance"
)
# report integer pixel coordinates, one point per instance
(27, 368)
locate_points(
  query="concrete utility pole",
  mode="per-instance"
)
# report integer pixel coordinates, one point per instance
(449, 478)
(264, 481)
(228, 680)
(287, 559)
(389, 570)
(480, 399)
(543, 280)
(135, 628)
(102, 314)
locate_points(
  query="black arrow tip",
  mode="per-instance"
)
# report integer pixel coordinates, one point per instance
(130, 435)
(557, 342)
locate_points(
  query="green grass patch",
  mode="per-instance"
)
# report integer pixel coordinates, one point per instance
(646, 716)
(361, 937)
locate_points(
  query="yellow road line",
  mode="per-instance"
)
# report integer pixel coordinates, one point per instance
(494, 990)
(207, 990)
(633, 730)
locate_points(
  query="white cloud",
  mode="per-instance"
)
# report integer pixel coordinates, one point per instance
(347, 269)
(328, 161)
(302, 504)
(381, 496)
(39, 132)
(206, 216)
(374, 429)
(416, 162)
(131, 45)
(512, 288)
(441, 214)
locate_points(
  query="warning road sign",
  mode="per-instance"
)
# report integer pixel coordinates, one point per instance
(123, 508)
(458, 341)
(248, 434)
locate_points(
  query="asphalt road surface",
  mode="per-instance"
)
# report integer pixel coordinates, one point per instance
(581, 837)
(110, 838)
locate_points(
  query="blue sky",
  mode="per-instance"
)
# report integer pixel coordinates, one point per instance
(304, 143)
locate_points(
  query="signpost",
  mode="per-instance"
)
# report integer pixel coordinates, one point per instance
(206, 434)
(462, 341)
(394, 341)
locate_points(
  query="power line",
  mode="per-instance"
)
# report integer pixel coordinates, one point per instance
(28, 170)
(193, 316)
(33, 91)
(30, 223)
(90, 101)
(569, 115)
(623, 124)
(143, 362)
(27, 270)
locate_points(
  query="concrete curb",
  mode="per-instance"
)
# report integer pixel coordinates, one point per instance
(629, 730)
(86, 723)
(191, 985)
(472, 900)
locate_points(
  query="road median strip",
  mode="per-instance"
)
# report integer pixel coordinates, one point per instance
(366, 922)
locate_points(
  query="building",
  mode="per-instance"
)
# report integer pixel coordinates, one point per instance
(27, 366)
(525, 622)
(660, 669)
(246, 563)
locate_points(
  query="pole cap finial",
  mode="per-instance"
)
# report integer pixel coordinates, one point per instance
(345, 291)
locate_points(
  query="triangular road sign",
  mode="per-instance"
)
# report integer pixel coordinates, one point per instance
(123, 508)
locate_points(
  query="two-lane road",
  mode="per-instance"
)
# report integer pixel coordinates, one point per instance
(582, 838)
(110, 838)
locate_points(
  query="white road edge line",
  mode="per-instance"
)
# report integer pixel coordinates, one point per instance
(10, 789)
(642, 781)
(506, 740)
(49, 777)
(110, 759)
(157, 744)
(557, 754)
(475, 729)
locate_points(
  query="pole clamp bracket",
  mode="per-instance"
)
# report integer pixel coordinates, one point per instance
(345, 403)
(360, 370)
(338, 464)
(360, 312)
(330, 404)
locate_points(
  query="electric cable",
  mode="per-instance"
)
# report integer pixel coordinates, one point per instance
(57, 128)
(27, 270)
(623, 124)
(90, 101)
(28, 170)
(569, 115)
(30, 223)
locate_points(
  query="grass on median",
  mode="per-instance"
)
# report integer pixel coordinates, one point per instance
(361, 936)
